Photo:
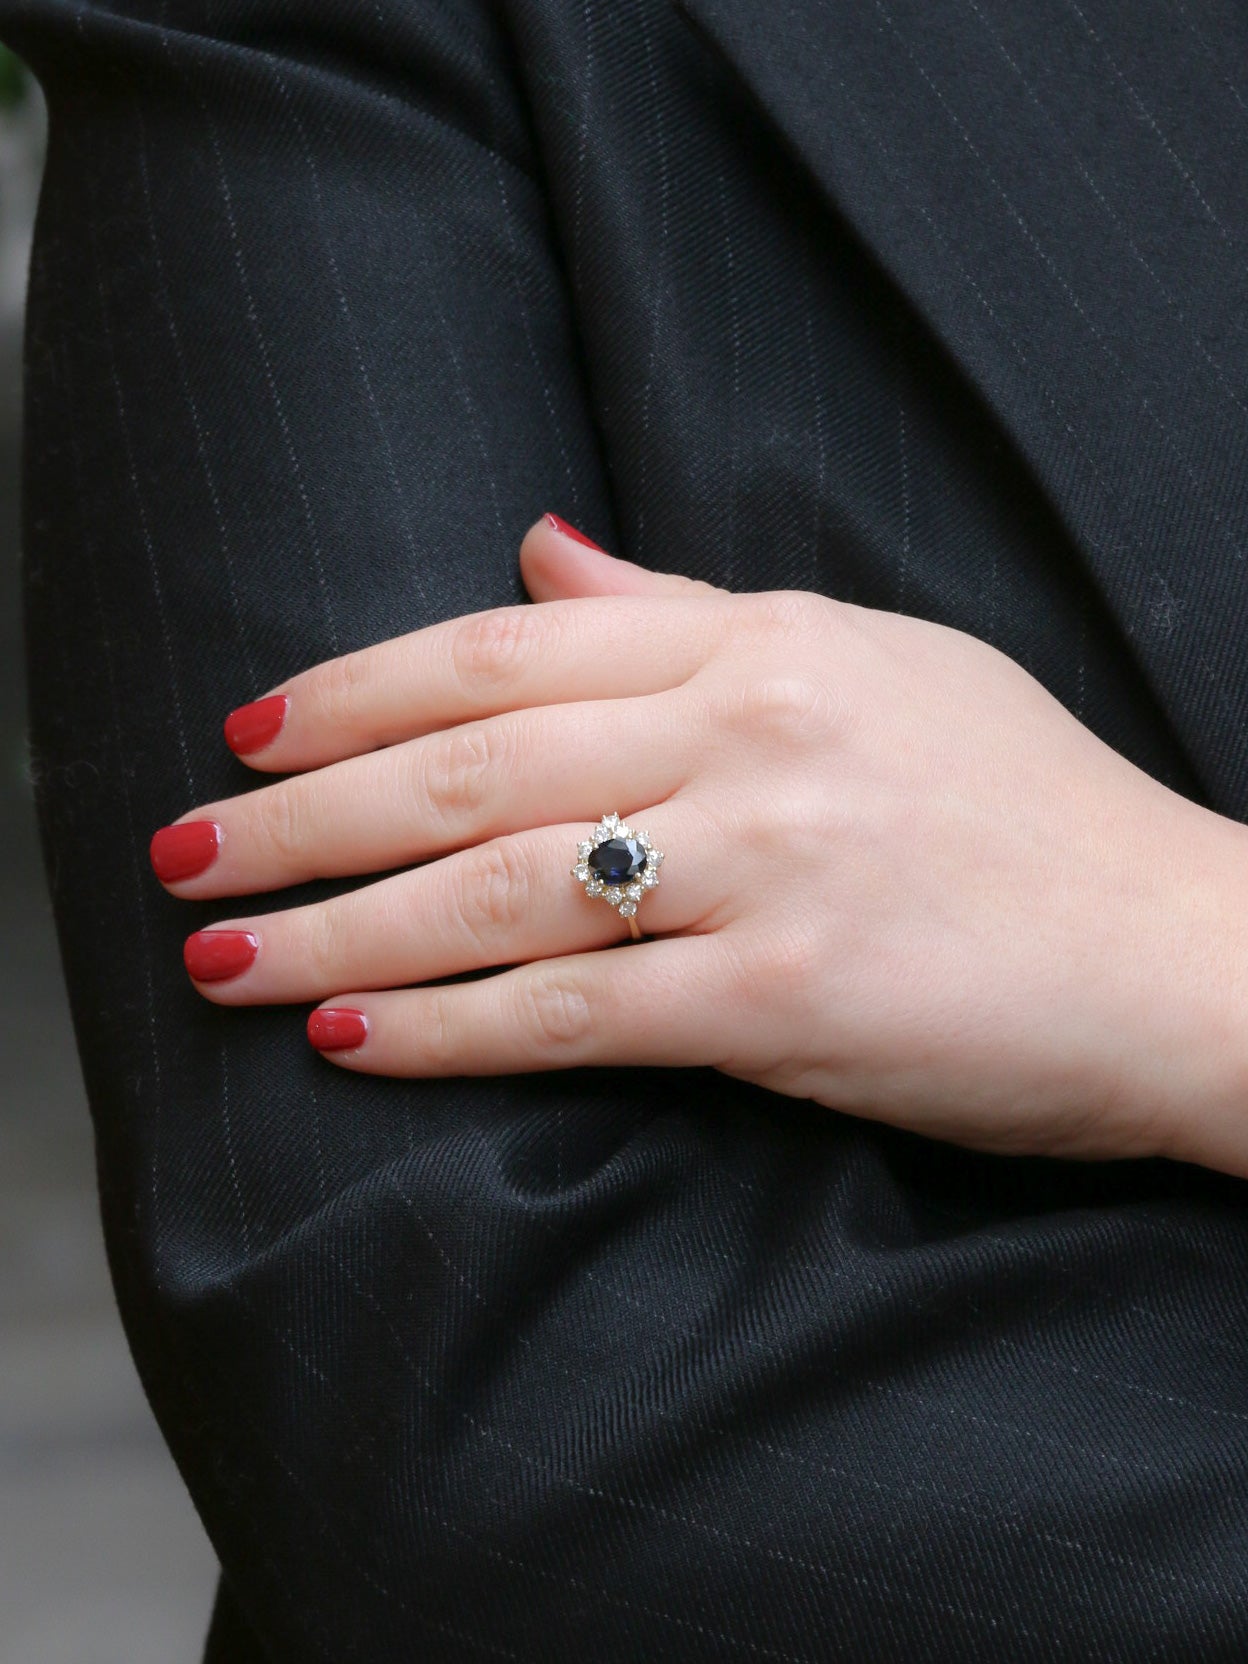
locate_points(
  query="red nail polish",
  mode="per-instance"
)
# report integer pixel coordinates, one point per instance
(252, 727)
(571, 531)
(217, 955)
(184, 851)
(335, 1030)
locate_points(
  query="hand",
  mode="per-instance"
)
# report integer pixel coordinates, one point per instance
(901, 879)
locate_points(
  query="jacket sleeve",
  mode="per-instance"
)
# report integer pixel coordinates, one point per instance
(300, 371)
(450, 1367)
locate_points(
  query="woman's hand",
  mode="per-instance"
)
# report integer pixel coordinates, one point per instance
(901, 879)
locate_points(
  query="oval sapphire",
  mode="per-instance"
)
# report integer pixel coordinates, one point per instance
(618, 860)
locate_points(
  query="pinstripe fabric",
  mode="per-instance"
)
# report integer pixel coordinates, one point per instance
(936, 307)
(1056, 188)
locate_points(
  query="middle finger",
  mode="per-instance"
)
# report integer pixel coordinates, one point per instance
(436, 793)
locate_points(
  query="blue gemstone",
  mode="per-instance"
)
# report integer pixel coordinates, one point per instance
(618, 860)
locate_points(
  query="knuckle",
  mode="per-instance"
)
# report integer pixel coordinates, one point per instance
(459, 769)
(784, 710)
(435, 1031)
(786, 965)
(493, 898)
(490, 648)
(342, 685)
(323, 940)
(554, 1012)
(779, 706)
(789, 612)
(283, 829)
(738, 968)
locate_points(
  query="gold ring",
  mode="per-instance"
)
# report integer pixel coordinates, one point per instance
(619, 865)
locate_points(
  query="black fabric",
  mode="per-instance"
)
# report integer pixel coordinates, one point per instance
(229, 1635)
(934, 307)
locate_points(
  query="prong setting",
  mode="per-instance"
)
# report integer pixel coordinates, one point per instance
(626, 868)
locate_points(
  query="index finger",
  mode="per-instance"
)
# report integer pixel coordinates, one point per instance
(481, 664)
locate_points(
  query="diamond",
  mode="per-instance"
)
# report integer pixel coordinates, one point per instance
(627, 909)
(633, 892)
(595, 887)
(649, 878)
(581, 872)
(584, 849)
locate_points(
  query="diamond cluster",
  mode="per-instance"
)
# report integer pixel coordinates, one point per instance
(623, 897)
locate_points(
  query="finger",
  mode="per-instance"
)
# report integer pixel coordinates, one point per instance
(509, 901)
(655, 1003)
(441, 792)
(502, 659)
(557, 560)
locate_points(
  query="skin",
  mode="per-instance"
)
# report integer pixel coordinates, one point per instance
(902, 880)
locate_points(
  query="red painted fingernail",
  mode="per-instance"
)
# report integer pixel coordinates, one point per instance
(334, 1030)
(217, 955)
(571, 531)
(184, 851)
(252, 727)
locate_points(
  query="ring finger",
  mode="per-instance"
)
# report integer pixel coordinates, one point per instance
(504, 902)
(440, 792)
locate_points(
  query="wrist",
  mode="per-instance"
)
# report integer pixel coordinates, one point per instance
(1193, 1063)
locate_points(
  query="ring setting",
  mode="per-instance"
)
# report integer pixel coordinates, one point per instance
(618, 864)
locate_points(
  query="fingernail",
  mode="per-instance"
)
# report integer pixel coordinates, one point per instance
(217, 955)
(184, 851)
(336, 1029)
(252, 727)
(571, 531)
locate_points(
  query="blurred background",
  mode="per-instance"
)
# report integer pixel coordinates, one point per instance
(102, 1559)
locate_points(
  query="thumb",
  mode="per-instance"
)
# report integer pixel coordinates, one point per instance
(557, 561)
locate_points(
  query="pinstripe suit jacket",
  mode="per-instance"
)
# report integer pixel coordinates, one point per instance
(936, 305)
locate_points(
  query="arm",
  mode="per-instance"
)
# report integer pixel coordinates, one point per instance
(300, 369)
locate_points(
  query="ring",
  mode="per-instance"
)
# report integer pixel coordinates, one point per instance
(619, 865)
